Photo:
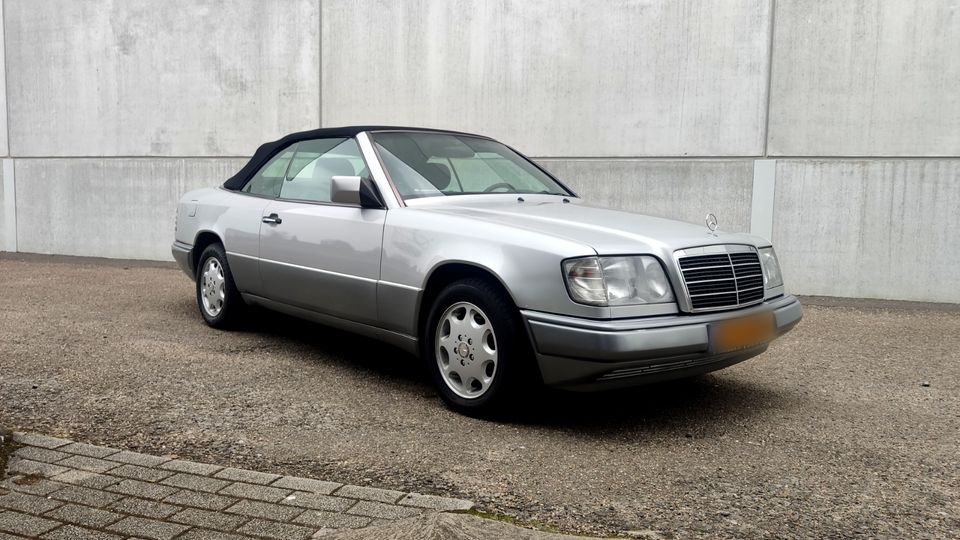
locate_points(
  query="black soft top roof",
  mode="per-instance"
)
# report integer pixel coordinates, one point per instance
(270, 149)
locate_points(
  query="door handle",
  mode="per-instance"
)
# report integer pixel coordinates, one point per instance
(272, 218)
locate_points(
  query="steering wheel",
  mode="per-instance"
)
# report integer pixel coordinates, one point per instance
(500, 185)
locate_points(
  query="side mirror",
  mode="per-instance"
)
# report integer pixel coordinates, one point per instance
(355, 190)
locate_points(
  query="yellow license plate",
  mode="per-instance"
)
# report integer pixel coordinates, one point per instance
(742, 333)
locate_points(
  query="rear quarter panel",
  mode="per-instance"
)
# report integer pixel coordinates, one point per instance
(235, 219)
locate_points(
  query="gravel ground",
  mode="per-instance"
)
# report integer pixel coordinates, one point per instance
(847, 427)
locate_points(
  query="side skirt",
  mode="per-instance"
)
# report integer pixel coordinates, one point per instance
(402, 341)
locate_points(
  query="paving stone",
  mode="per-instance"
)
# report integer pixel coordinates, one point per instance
(253, 491)
(136, 458)
(148, 528)
(243, 475)
(29, 526)
(316, 501)
(207, 501)
(24, 502)
(43, 441)
(196, 483)
(86, 479)
(144, 490)
(203, 534)
(265, 510)
(87, 463)
(31, 485)
(144, 508)
(369, 494)
(206, 518)
(85, 496)
(28, 466)
(83, 515)
(433, 502)
(306, 484)
(273, 529)
(88, 450)
(383, 511)
(331, 520)
(41, 454)
(137, 472)
(70, 532)
(190, 467)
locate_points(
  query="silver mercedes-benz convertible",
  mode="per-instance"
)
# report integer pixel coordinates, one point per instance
(459, 249)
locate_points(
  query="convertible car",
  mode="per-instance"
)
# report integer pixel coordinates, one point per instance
(461, 250)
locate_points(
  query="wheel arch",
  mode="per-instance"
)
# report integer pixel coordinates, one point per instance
(203, 240)
(447, 272)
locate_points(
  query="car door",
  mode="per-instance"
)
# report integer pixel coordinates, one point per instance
(241, 221)
(317, 254)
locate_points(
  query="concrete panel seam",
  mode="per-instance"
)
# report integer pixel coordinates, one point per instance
(320, 64)
(9, 206)
(744, 158)
(6, 75)
(766, 116)
(764, 198)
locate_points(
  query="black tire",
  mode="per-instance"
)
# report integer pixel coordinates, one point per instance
(232, 308)
(515, 373)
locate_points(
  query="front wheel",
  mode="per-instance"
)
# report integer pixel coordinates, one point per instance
(476, 348)
(217, 296)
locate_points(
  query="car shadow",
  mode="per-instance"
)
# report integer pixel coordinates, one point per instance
(343, 347)
(696, 405)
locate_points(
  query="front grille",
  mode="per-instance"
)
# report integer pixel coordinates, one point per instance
(722, 280)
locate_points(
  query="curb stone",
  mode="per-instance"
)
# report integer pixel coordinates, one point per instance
(66, 489)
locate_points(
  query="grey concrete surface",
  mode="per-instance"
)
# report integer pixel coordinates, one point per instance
(137, 78)
(677, 189)
(865, 78)
(8, 208)
(109, 207)
(839, 221)
(678, 83)
(556, 78)
(4, 142)
(847, 427)
(52, 486)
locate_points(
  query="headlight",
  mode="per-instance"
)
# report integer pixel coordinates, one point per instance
(771, 268)
(617, 281)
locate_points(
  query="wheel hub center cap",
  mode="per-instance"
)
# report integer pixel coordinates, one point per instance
(463, 350)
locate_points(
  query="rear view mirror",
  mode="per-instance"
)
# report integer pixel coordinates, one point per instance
(355, 190)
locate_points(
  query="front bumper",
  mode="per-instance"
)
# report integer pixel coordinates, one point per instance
(586, 354)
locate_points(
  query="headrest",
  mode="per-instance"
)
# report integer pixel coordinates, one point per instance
(437, 173)
(327, 167)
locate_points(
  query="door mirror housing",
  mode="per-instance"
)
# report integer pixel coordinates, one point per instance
(355, 190)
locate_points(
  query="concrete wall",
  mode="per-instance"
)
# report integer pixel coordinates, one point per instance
(831, 126)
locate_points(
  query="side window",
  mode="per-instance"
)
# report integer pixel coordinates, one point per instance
(268, 179)
(314, 165)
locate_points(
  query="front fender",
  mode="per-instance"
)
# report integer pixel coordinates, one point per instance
(527, 263)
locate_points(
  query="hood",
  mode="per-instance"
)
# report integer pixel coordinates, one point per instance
(608, 232)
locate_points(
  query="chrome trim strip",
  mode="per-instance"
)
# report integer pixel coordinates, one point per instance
(319, 270)
(329, 272)
(399, 285)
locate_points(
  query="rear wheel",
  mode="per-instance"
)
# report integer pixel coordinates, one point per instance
(219, 300)
(476, 348)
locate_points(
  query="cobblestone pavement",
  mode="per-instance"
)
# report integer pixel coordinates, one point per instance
(56, 489)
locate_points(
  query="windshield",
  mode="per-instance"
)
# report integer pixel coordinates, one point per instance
(435, 164)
